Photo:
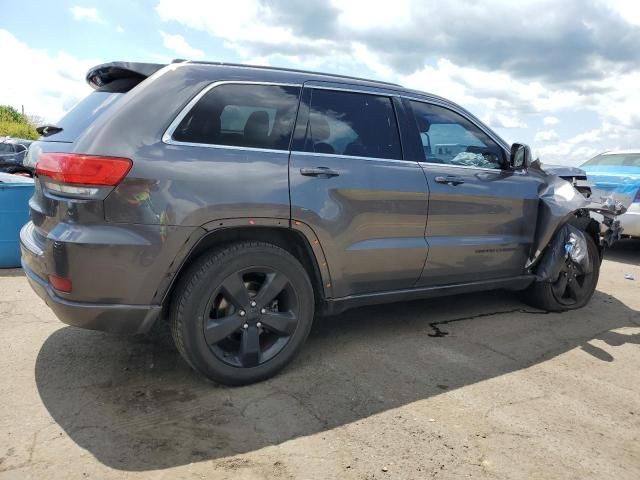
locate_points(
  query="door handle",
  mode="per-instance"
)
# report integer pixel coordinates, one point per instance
(322, 172)
(450, 180)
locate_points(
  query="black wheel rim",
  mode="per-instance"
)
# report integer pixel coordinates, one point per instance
(572, 285)
(251, 316)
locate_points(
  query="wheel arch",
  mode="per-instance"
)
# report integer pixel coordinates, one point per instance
(299, 242)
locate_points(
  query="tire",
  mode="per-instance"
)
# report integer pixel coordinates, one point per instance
(241, 313)
(545, 295)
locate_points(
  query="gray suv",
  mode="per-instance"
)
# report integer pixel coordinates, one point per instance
(238, 202)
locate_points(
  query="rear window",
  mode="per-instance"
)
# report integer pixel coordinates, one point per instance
(242, 115)
(82, 115)
(615, 160)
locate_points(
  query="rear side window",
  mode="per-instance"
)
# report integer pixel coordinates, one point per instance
(449, 138)
(352, 124)
(242, 115)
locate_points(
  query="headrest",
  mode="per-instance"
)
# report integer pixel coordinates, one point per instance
(257, 125)
(423, 123)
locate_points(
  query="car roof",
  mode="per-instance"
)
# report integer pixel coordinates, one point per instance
(621, 152)
(21, 141)
(296, 73)
(101, 74)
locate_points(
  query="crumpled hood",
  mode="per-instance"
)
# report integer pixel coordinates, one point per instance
(564, 171)
(559, 200)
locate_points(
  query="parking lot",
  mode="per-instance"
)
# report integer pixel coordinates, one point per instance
(476, 386)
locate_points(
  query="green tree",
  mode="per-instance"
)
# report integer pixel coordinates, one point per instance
(15, 124)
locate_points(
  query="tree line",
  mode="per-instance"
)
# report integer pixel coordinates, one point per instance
(16, 124)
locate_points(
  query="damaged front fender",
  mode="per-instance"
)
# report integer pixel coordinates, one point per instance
(560, 202)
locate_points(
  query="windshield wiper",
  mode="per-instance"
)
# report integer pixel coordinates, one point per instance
(46, 130)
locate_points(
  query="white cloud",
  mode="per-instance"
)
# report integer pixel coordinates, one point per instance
(86, 13)
(630, 11)
(582, 58)
(178, 44)
(546, 136)
(46, 85)
(500, 120)
(119, 29)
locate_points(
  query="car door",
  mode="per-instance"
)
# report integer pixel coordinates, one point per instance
(351, 185)
(482, 214)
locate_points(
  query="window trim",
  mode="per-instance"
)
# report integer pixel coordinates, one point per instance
(167, 137)
(342, 156)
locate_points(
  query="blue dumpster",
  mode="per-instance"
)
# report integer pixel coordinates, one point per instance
(15, 192)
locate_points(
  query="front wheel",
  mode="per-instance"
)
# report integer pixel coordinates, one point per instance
(241, 313)
(573, 288)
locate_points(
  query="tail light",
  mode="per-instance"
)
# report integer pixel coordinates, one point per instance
(83, 175)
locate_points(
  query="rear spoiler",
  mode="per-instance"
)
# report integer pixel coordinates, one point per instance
(100, 76)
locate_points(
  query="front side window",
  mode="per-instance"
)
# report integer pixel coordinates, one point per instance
(449, 138)
(242, 115)
(352, 124)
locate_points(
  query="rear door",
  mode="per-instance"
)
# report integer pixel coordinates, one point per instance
(482, 214)
(351, 184)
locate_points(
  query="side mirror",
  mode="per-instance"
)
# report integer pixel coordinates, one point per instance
(520, 156)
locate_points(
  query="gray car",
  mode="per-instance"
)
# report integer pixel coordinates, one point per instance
(12, 155)
(238, 202)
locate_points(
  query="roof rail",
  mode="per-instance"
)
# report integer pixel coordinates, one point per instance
(282, 69)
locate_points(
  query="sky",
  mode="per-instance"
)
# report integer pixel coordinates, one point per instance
(561, 76)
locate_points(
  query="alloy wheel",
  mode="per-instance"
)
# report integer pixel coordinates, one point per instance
(573, 284)
(251, 316)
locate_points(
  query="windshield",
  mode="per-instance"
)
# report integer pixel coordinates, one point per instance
(615, 160)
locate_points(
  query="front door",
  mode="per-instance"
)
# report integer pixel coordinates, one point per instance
(350, 184)
(482, 215)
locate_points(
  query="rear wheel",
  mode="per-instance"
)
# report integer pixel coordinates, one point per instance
(573, 288)
(240, 314)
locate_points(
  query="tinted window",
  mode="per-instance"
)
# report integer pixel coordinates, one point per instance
(83, 115)
(450, 138)
(6, 148)
(355, 124)
(257, 116)
(618, 160)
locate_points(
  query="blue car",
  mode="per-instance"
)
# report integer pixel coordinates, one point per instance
(618, 174)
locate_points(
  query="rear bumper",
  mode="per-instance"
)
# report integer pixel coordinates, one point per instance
(630, 221)
(124, 319)
(109, 317)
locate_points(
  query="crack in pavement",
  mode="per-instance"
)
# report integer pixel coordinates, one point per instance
(438, 332)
